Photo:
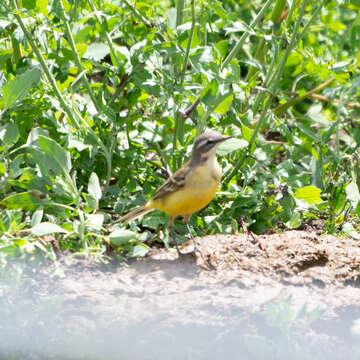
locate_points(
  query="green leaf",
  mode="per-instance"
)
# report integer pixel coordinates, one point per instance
(96, 51)
(34, 134)
(246, 132)
(61, 158)
(47, 228)
(310, 194)
(349, 230)
(240, 26)
(2, 168)
(94, 187)
(352, 194)
(357, 210)
(11, 250)
(224, 105)
(29, 4)
(231, 145)
(24, 201)
(154, 219)
(42, 6)
(315, 114)
(121, 237)
(37, 217)
(96, 220)
(139, 250)
(327, 135)
(316, 169)
(222, 47)
(9, 134)
(17, 88)
(294, 222)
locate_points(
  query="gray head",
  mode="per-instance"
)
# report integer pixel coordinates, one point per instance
(206, 144)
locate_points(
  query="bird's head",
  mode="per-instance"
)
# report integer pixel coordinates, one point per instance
(206, 144)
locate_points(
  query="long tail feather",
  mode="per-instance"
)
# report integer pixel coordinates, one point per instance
(132, 215)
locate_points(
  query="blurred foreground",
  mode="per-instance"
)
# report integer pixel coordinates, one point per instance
(247, 304)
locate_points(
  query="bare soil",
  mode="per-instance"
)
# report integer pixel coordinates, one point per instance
(294, 294)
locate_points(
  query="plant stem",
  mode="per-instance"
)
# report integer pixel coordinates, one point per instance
(273, 82)
(108, 38)
(142, 19)
(179, 120)
(233, 53)
(82, 233)
(283, 107)
(260, 51)
(180, 12)
(188, 47)
(46, 70)
(77, 58)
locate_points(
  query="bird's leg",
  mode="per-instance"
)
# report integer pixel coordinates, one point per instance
(172, 233)
(186, 220)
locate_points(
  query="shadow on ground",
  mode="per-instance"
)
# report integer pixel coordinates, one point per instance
(269, 297)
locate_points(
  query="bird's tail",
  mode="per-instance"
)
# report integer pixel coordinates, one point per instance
(132, 215)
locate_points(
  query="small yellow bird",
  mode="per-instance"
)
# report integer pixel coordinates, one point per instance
(191, 188)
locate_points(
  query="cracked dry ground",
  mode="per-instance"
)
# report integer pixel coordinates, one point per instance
(248, 297)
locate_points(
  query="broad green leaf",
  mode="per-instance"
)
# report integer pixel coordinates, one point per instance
(294, 222)
(34, 135)
(224, 106)
(246, 132)
(240, 26)
(29, 4)
(2, 168)
(121, 237)
(96, 51)
(48, 167)
(171, 18)
(348, 229)
(316, 169)
(7, 54)
(18, 87)
(9, 134)
(139, 250)
(11, 250)
(231, 145)
(24, 201)
(310, 194)
(37, 217)
(352, 194)
(357, 210)
(288, 204)
(94, 187)
(47, 228)
(222, 47)
(60, 157)
(96, 220)
(315, 114)
(308, 132)
(338, 198)
(327, 135)
(154, 219)
(42, 6)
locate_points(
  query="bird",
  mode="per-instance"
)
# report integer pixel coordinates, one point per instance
(190, 188)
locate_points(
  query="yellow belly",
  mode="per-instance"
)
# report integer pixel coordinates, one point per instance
(199, 190)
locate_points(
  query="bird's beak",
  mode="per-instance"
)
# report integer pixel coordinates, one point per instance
(224, 138)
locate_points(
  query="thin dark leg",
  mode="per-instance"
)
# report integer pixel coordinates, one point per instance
(191, 237)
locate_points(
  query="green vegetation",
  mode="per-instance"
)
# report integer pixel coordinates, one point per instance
(100, 98)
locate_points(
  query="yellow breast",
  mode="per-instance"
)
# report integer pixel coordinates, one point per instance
(200, 188)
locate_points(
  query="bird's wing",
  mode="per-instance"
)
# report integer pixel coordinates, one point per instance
(174, 183)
